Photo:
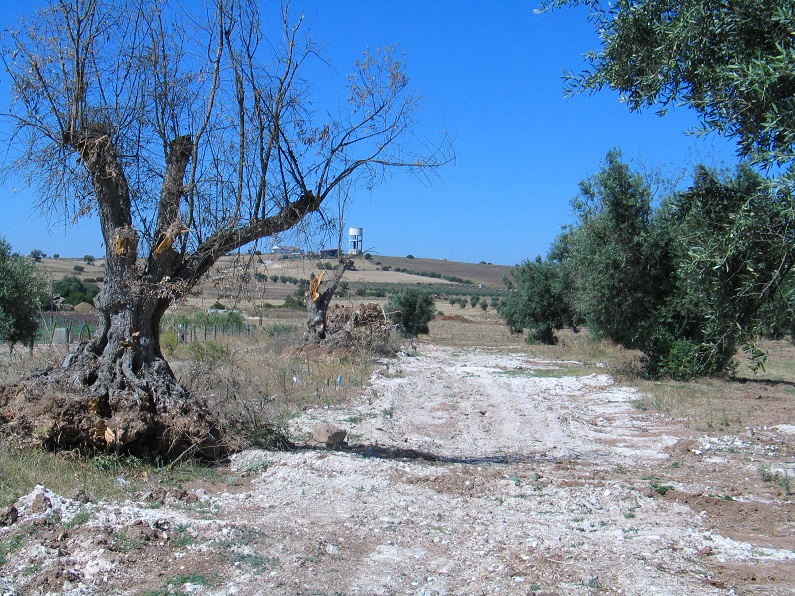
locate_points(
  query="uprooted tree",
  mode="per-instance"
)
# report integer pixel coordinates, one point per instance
(190, 134)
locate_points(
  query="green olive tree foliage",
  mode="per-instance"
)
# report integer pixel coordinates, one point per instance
(618, 266)
(412, 310)
(537, 300)
(733, 62)
(733, 255)
(23, 293)
(686, 282)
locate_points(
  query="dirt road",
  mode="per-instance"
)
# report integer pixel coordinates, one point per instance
(467, 471)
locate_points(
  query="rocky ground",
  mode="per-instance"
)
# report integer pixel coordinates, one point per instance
(466, 471)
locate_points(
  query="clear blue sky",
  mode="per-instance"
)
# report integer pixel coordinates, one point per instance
(491, 73)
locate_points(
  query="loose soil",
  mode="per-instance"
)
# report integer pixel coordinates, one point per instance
(467, 471)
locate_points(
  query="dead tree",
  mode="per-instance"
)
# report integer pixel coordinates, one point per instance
(190, 137)
(317, 302)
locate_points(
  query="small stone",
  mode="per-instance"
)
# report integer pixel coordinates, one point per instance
(41, 503)
(80, 496)
(8, 516)
(329, 434)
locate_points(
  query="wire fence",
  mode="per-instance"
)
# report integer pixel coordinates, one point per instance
(189, 333)
(71, 328)
(65, 329)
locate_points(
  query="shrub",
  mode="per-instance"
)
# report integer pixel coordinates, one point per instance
(537, 301)
(75, 290)
(412, 310)
(169, 342)
(22, 294)
(209, 352)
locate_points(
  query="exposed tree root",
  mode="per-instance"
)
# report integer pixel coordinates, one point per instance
(103, 406)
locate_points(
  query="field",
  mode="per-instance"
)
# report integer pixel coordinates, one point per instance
(474, 464)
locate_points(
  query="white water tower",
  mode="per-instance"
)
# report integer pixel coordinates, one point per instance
(355, 241)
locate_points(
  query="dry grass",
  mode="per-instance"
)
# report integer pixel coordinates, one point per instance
(15, 365)
(250, 382)
(261, 382)
(725, 404)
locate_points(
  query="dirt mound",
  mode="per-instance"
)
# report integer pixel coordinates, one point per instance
(460, 318)
(84, 308)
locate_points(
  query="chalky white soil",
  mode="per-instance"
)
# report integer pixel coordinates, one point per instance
(467, 471)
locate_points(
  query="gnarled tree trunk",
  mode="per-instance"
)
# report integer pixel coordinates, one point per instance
(317, 303)
(116, 391)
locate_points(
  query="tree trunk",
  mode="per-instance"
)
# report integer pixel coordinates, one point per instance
(317, 303)
(133, 398)
(116, 392)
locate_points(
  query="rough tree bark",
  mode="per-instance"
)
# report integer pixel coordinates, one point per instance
(117, 392)
(103, 92)
(317, 302)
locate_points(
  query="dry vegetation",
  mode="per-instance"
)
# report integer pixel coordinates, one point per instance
(257, 383)
(260, 381)
(251, 381)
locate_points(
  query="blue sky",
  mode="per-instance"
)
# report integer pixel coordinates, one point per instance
(491, 73)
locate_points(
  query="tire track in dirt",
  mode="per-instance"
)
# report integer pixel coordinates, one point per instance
(468, 472)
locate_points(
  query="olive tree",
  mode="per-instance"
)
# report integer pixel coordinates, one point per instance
(730, 61)
(189, 130)
(22, 296)
(411, 310)
(537, 300)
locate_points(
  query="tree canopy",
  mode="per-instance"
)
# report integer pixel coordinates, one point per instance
(733, 62)
(726, 240)
(22, 295)
(412, 310)
(685, 277)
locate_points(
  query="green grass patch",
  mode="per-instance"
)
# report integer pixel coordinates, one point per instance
(563, 371)
(190, 578)
(80, 518)
(9, 545)
(659, 488)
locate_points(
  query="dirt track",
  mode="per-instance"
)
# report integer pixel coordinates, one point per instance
(468, 471)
